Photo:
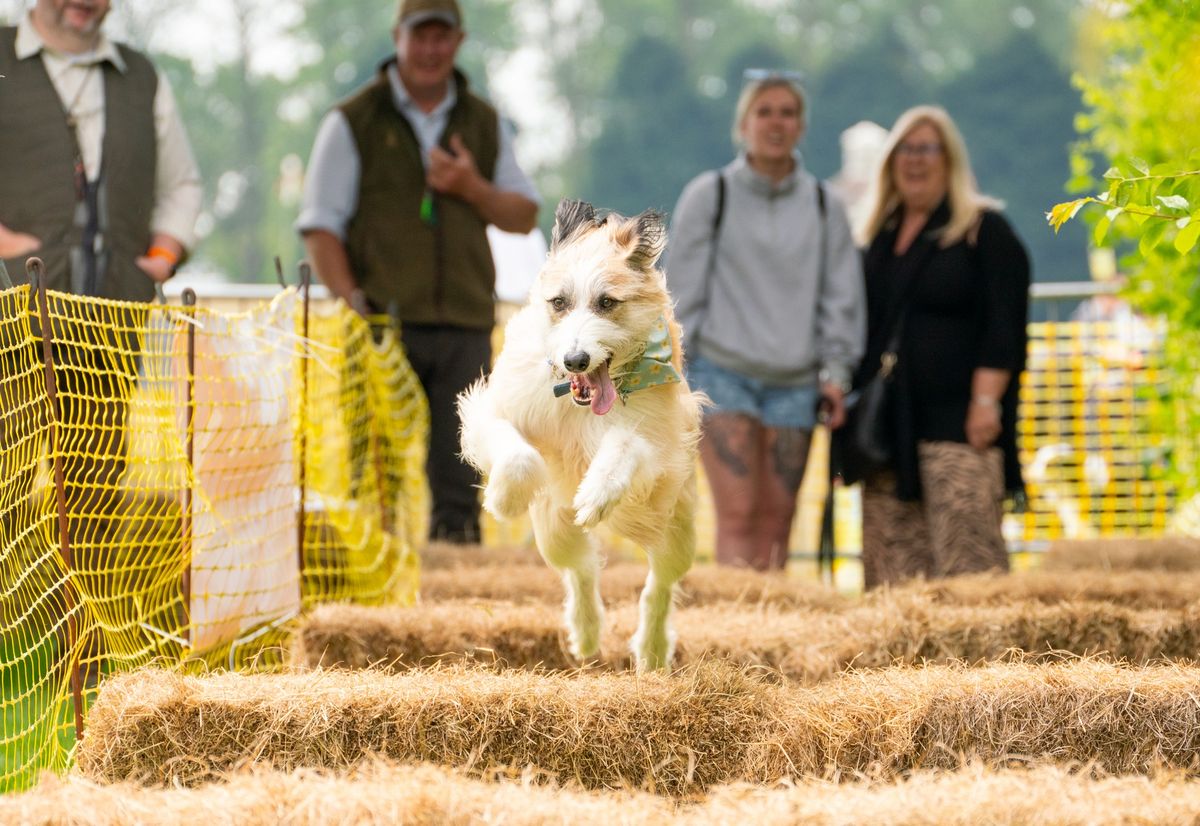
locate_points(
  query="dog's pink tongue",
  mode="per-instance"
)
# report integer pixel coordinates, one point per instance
(603, 392)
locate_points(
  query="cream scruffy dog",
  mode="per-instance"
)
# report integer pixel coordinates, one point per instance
(587, 419)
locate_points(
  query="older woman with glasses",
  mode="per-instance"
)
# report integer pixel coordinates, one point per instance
(768, 289)
(947, 294)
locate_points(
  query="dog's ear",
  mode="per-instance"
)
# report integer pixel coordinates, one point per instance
(646, 234)
(569, 218)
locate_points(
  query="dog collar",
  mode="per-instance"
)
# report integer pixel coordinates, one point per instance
(652, 367)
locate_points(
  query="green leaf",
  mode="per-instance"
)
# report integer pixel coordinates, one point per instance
(1174, 201)
(1186, 239)
(1059, 214)
(1100, 231)
(1140, 165)
(1113, 174)
(1151, 237)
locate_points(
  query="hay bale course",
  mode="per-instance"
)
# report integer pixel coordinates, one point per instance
(881, 724)
(664, 733)
(1130, 589)
(806, 646)
(622, 582)
(672, 734)
(1175, 553)
(380, 793)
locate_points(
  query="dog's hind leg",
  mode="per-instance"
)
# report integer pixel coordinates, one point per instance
(572, 552)
(653, 645)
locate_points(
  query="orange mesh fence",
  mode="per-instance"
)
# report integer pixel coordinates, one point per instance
(179, 485)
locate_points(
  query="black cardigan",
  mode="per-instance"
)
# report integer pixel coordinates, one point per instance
(968, 308)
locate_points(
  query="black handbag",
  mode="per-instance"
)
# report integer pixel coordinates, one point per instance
(868, 436)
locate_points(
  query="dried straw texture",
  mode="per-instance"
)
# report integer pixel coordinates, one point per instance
(672, 734)
(378, 793)
(879, 724)
(622, 582)
(975, 795)
(438, 556)
(383, 794)
(1165, 554)
(1130, 589)
(799, 645)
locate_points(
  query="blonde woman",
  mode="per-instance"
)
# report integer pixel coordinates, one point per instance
(945, 269)
(768, 289)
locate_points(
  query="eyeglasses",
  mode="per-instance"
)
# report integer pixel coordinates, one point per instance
(919, 150)
(756, 75)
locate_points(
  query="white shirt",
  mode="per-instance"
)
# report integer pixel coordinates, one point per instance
(78, 79)
(331, 183)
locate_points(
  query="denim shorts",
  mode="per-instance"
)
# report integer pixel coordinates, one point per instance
(774, 405)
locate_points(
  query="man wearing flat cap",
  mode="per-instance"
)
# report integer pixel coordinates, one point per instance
(404, 178)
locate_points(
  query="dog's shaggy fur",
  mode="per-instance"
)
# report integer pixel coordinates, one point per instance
(574, 461)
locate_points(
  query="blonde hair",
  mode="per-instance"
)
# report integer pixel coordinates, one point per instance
(755, 88)
(966, 201)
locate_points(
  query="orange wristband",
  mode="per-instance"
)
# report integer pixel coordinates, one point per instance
(165, 254)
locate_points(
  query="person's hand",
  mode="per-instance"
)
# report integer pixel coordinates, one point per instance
(983, 423)
(454, 172)
(17, 244)
(833, 402)
(159, 269)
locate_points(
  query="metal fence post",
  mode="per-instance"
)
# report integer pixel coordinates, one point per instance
(306, 288)
(188, 527)
(36, 273)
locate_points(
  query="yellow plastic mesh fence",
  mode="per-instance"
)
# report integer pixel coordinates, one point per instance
(1093, 459)
(180, 485)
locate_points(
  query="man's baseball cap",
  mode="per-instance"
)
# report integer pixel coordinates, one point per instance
(415, 12)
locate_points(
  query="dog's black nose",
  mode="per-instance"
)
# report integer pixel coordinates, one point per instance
(576, 362)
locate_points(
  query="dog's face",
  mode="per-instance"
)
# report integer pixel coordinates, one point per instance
(602, 296)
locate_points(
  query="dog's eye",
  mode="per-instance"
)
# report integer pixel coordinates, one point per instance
(558, 303)
(607, 302)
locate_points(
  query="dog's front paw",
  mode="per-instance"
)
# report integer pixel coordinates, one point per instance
(594, 502)
(513, 482)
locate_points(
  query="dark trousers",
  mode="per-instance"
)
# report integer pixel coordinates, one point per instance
(446, 360)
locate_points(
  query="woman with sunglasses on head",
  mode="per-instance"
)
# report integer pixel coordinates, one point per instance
(768, 289)
(947, 294)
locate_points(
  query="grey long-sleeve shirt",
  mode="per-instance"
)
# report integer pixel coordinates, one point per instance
(768, 308)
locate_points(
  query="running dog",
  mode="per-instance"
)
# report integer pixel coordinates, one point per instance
(587, 419)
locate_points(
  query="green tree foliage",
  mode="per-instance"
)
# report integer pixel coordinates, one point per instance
(1140, 123)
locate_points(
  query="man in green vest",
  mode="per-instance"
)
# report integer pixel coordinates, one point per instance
(405, 176)
(97, 178)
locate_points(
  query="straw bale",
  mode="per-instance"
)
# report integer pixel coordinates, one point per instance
(380, 793)
(883, 723)
(437, 556)
(377, 793)
(1170, 553)
(971, 796)
(1130, 589)
(675, 734)
(622, 582)
(909, 629)
(498, 633)
(796, 644)
(669, 733)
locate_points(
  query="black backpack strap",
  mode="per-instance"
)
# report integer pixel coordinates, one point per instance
(720, 213)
